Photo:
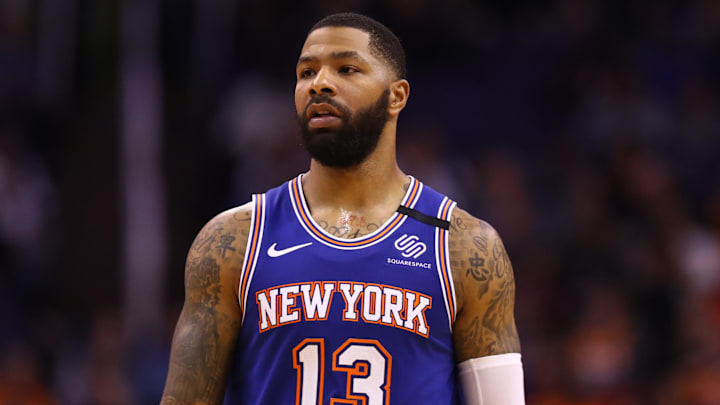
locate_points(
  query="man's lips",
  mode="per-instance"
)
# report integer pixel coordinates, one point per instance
(321, 109)
(323, 121)
(322, 115)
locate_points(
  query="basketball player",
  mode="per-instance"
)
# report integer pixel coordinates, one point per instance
(352, 283)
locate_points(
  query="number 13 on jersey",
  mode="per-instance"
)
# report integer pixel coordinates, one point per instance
(367, 364)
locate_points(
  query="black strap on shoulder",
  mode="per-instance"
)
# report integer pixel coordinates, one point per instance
(425, 219)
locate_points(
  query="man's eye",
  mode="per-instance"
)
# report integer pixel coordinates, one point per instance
(306, 73)
(348, 69)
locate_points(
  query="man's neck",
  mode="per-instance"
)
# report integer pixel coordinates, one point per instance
(367, 185)
(375, 183)
(356, 201)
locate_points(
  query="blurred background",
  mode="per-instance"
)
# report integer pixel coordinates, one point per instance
(586, 131)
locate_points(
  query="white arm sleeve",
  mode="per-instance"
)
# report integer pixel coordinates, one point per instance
(493, 380)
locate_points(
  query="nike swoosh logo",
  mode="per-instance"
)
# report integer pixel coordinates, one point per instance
(277, 253)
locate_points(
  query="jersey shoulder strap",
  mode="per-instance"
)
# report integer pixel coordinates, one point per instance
(432, 209)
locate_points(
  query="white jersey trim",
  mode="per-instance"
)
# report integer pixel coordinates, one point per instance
(249, 252)
(447, 261)
(449, 301)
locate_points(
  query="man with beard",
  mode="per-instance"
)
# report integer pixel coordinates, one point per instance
(352, 283)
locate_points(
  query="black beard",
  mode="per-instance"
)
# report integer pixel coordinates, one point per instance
(354, 141)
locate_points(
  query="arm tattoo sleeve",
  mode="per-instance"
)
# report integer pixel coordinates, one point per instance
(208, 325)
(485, 324)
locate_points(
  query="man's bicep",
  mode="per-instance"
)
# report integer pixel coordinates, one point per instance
(204, 337)
(485, 324)
(207, 329)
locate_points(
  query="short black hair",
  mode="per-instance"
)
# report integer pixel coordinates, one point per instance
(383, 43)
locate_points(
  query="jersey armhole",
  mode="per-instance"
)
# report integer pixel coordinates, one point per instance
(252, 250)
(442, 258)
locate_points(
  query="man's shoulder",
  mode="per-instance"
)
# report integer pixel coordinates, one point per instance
(233, 220)
(475, 248)
(471, 240)
(240, 214)
(464, 225)
(224, 236)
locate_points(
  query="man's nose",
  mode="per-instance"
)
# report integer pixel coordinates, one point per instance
(322, 83)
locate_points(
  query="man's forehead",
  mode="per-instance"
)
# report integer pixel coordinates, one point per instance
(333, 39)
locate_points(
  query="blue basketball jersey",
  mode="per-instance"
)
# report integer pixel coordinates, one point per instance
(328, 320)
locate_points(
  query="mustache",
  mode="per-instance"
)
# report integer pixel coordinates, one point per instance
(325, 99)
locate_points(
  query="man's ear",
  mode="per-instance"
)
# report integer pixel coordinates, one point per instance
(399, 93)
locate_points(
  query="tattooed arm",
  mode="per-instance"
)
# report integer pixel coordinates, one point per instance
(485, 290)
(206, 332)
(486, 340)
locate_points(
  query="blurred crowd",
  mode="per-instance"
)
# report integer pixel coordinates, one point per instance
(586, 132)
